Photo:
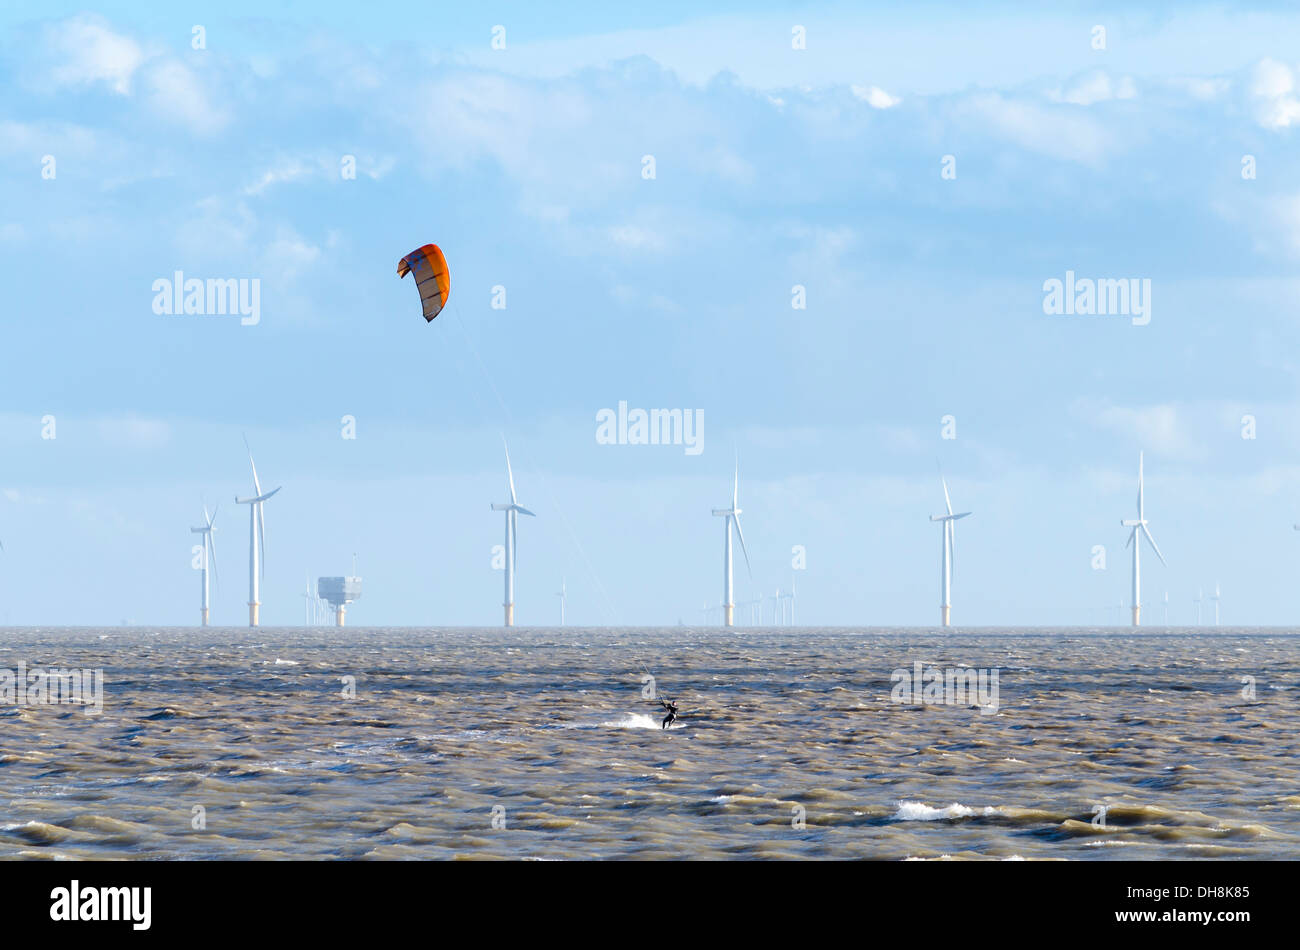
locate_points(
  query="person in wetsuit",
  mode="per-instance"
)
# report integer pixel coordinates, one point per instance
(671, 706)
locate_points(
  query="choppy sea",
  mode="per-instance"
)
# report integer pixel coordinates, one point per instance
(546, 744)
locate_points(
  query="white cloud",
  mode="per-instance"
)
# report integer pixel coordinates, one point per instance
(875, 97)
(176, 93)
(325, 167)
(1206, 90)
(636, 238)
(216, 224)
(1272, 92)
(1094, 87)
(286, 170)
(1157, 428)
(289, 254)
(1067, 135)
(85, 51)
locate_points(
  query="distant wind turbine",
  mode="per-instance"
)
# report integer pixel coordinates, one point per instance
(561, 593)
(256, 538)
(732, 516)
(1166, 608)
(1140, 529)
(949, 550)
(512, 509)
(1215, 598)
(209, 555)
(309, 604)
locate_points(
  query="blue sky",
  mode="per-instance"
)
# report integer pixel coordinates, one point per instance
(774, 167)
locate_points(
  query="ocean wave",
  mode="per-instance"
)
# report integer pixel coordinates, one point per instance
(919, 811)
(640, 721)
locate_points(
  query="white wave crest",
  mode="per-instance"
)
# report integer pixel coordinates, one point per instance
(639, 721)
(919, 811)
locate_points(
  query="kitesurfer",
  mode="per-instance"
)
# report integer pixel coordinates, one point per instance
(671, 706)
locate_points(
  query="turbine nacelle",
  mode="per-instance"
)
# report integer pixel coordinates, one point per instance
(257, 499)
(509, 507)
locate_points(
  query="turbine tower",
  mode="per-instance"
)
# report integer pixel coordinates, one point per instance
(1215, 598)
(308, 604)
(512, 509)
(731, 516)
(562, 594)
(949, 550)
(209, 555)
(1140, 529)
(256, 539)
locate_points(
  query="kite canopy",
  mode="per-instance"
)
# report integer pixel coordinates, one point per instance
(431, 277)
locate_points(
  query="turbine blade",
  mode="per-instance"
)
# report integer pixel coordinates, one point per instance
(1140, 486)
(952, 542)
(946, 500)
(261, 537)
(524, 511)
(257, 486)
(212, 556)
(1154, 546)
(510, 473)
(741, 534)
(735, 487)
(514, 540)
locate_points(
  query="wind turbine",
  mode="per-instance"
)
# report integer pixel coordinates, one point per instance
(209, 555)
(308, 605)
(512, 509)
(563, 597)
(792, 593)
(1166, 608)
(732, 516)
(1139, 526)
(949, 550)
(256, 538)
(1215, 598)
